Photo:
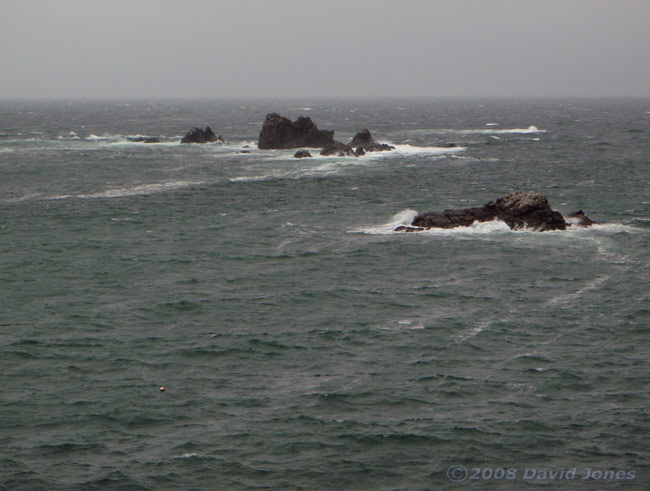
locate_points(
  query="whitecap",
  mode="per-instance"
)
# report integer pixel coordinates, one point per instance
(400, 150)
(192, 455)
(411, 324)
(142, 189)
(472, 332)
(252, 178)
(476, 228)
(482, 131)
(403, 218)
(414, 150)
(608, 228)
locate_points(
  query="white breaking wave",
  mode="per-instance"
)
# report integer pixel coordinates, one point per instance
(142, 189)
(411, 150)
(530, 129)
(472, 332)
(609, 228)
(118, 139)
(254, 178)
(405, 217)
(192, 455)
(476, 228)
(400, 149)
(482, 131)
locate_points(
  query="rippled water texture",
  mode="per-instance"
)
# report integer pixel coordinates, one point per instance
(302, 343)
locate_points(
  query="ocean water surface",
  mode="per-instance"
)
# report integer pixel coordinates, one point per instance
(302, 343)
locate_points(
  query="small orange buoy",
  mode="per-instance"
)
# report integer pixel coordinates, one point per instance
(162, 388)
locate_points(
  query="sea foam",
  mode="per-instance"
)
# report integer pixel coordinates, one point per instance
(480, 131)
(405, 218)
(142, 189)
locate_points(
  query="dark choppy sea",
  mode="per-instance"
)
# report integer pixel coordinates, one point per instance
(302, 344)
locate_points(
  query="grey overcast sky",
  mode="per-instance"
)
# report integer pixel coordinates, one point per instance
(277, 48)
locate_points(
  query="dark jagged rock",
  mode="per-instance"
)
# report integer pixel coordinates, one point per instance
(579, 219)
(448, 145)
(302, 154)
(279, 132)
(197, 135)
(518, 210)
(364, 140)
(339, 149)
(359, 152)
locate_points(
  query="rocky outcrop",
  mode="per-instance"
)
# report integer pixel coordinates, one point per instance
(518, 210)
(197, 135)
(579, 219)
(365, 141)
(342, 150)
(279, 132)
(142, 139)
(302, 154)
(338, 149)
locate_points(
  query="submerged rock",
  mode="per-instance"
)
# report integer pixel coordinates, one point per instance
(579, 219)
(279, 132)
(518, 210)
(302, 154)
(365, 141)
(197, 135)
(142, 139)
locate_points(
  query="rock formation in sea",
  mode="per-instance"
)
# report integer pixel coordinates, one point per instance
(279, 132)
(142, 139)
(302, 154)
(197, 135)
(518, 210)
(364, 140)
(338, 149)
(579, 219)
